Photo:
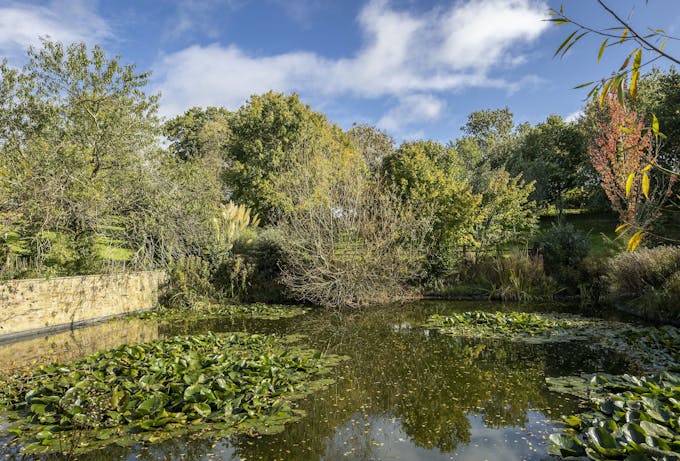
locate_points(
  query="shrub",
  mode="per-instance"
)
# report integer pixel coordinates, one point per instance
(252, 272)
(563, 246)
(648, 281)
(189, 282)
(633, 274)
(520, 277)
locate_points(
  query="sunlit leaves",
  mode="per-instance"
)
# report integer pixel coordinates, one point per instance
(629, 183)
(601, 51)
(645, 185)
(635, 241)
(635, 73)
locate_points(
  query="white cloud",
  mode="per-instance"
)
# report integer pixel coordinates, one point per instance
(22, 25)
(479, 34)
(574, 116)
(411, 109)
(403, 53)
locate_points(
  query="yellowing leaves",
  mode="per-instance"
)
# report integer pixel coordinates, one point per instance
(634, 241)
(629, 184)
(645, 185)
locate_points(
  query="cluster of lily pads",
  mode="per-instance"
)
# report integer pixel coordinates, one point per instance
(653, 348)
(217, 384)
(208, 310)
(632, 418)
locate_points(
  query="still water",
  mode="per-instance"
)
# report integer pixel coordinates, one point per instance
(406, 393)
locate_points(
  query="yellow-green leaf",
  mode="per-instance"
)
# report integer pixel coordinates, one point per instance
(621, 227)
(624, 34)
(634, 241)
(648, 167)
(629, 183)
(635, 73)
(645, 185)
(602, 47)
(655, 125)
(564, 43)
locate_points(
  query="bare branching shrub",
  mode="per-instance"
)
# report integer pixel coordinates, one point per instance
(348, 242)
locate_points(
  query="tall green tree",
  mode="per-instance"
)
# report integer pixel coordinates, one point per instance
(77, 130)
(492, 129)
(262, 148)
(553, 154)
(198, 132)
(424, 173)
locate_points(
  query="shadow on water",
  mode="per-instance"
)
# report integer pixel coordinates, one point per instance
(405, 393)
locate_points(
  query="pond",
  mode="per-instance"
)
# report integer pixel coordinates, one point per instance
(406, 393)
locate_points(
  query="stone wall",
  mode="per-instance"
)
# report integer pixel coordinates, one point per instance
(37, 304)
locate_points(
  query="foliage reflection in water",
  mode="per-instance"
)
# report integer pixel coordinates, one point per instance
(406, 393)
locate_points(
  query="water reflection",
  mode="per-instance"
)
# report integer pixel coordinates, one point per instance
(406, 393)
(70, 345)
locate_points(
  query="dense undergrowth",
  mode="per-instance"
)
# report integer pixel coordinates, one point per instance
(201, 384)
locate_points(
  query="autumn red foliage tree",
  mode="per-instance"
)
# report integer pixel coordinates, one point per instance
(622, 146)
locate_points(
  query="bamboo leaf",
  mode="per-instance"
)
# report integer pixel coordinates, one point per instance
(655, 125)
(573, 42)
(565, 42)
(582, 85)
(629, 183)
(624, 35)
(605, 90)
(648, 167)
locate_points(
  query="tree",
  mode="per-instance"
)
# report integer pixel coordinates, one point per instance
(77, 129)
(195, 132)
(624, 34)
(506, 214)
(492, 129)
(373, 144)
(424, 174)
(624, 146)
(260, 150)
(554, 155)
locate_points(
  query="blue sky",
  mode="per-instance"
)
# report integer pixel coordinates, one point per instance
(414, 68)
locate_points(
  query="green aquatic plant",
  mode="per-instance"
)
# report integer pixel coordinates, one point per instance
(207, 310)
(649, 348)
(217, 384)
(632, 418)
